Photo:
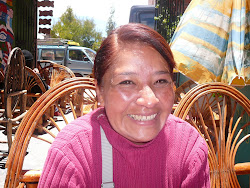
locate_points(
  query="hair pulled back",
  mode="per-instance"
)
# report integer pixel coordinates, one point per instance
(131, 33)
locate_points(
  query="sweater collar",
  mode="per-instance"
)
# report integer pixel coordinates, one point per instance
(118, 141)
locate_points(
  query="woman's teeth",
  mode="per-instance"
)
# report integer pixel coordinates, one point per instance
(142, 118)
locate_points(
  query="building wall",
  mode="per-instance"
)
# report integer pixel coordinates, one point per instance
(25, 24)
(151, 2)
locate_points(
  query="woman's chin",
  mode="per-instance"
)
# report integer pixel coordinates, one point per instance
(143, 138)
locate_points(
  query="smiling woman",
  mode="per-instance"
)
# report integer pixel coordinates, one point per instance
(141, 83)
(151, 148)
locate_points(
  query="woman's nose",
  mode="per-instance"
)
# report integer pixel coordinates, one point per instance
(147, 97)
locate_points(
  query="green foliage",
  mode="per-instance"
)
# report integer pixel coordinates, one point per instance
(89, 36)
(72, 28)
(167, 21)
(111, 23)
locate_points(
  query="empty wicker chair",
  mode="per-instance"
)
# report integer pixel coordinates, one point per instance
(14, 93)
(53, 73)
(34, 86)
(221, 114)
(72, 97)
(182, 90)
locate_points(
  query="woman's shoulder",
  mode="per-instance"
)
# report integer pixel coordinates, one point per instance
(176, 122)
(181, 129)
(83, 128)
(184, 132)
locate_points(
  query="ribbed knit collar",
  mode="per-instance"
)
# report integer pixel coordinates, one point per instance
(118, 141)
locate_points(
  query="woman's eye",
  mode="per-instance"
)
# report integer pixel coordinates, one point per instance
(162, 81)
(126, 82)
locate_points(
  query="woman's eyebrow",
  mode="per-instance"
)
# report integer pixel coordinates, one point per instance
(125, 73)
(134, 73)
(162, 72)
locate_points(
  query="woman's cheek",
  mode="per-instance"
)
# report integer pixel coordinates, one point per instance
(122, 95)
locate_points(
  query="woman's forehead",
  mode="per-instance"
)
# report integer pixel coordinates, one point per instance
(137, 58)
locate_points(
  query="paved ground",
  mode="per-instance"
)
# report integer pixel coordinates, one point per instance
(37, 151)
(3, 150)
(35, 158)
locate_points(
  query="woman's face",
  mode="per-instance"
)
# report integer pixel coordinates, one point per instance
(137, 93)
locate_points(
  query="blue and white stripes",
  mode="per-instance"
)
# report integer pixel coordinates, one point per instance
(212, 41)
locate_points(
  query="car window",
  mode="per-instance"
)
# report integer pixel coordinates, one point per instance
(52, 54)
(76, 55)
(48, 55)
(147, 19)
(59, 55)
(91, 54)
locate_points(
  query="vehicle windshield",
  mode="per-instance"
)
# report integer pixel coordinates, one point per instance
(52, 54)
(91, 54)
(147, 19)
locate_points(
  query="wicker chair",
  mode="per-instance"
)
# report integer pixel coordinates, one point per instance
(181, 91)
(14, 93)
(34, 86)
(221, 115)
(54, 73)
(77, 96)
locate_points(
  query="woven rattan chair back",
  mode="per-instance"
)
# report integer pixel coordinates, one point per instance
(221, 115)
(34, 86)
(183, 89)
(54, 73)
(71, 98)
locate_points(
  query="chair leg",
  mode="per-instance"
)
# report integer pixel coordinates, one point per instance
(9, 134)
(23, 103)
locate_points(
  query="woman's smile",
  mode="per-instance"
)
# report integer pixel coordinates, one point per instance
(143, 117)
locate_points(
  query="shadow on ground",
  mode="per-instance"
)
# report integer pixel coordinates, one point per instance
(3, 158)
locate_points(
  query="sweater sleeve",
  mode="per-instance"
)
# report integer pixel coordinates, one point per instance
(197, 167)
(59, 171)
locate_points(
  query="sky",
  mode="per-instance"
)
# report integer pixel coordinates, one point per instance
(99, 10)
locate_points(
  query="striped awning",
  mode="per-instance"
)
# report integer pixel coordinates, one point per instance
(212, 41)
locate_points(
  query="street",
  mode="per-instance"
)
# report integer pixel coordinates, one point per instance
(36, 152)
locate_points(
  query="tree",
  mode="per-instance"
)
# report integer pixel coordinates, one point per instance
(168, 18)
(88, 35)
(79, 30)
(111, 23)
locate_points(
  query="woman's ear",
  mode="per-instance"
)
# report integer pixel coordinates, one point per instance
(174, 86)
(99, 95)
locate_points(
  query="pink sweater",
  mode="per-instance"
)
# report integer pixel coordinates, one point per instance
(177, 157)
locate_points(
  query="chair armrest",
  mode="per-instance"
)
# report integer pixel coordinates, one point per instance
(242, 168)
(17, 93)
(30, 176)
(20, 117)
(34, 95)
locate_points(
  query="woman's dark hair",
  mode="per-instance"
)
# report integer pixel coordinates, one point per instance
(131, 33)
(28, 58)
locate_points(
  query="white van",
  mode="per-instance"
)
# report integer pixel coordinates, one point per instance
(79, 59)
